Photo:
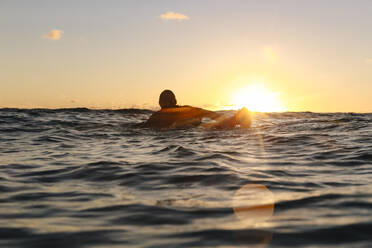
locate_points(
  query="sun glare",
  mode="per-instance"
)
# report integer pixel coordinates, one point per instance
(256, 97)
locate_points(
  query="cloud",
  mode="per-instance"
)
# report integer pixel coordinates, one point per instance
(54, 34)
(173, 16)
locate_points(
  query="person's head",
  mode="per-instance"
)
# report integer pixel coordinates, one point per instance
(167, 99)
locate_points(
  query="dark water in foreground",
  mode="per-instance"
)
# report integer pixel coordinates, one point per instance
(86, 178)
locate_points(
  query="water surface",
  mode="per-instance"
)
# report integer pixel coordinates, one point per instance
(88, 178)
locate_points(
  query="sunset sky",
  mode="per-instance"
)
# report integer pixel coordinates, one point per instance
(312, 55)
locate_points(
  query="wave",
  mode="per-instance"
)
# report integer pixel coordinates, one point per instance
(82, 177)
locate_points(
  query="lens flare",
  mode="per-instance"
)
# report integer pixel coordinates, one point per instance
(253, 204)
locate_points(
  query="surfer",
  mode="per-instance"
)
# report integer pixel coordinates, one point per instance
(173, 116)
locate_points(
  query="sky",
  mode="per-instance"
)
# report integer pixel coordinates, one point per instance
(313, 55)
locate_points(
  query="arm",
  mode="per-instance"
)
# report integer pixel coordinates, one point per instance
(193, 117)
(210, 114)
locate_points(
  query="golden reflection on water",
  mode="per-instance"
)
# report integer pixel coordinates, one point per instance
(253, 204)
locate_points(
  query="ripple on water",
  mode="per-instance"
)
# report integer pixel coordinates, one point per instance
(88, 178)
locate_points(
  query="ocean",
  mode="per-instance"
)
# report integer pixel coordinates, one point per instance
(90, 178)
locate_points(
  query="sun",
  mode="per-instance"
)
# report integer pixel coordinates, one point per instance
(256, 97)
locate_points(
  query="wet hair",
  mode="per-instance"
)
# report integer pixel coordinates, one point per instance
(167, 99)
